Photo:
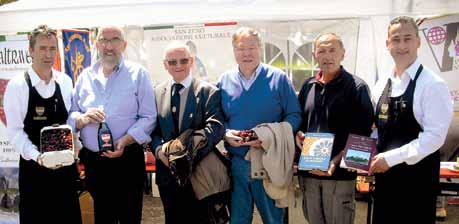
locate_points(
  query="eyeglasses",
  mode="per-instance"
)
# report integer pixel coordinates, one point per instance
(182, 61)
(114, 42)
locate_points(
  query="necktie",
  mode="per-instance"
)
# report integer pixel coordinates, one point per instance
(175, 105)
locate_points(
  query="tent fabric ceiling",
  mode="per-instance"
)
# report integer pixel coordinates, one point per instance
(27, 14)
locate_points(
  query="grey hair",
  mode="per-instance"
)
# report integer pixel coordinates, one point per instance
(177, 45)
(338, 38)
(122, 34)
(246, 31)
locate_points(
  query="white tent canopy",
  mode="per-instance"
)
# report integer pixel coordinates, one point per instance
(25, 14)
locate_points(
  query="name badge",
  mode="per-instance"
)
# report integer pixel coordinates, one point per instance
(40, 111)
(384, 108)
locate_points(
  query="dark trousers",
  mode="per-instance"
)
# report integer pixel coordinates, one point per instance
(405, 194)
(181, 206)
(116, 185)
(48, 196)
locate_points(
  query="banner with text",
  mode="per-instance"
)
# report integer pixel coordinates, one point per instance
(210, 44)
(14, 60)
(286, 45)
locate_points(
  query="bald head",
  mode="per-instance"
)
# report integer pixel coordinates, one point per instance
(328, 37)
(111, 29)
(177, 46)
(178, 60)
(329, 52)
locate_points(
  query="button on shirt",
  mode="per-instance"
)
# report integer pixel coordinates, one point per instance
(16, 101)
(127, 99)
(432, 108)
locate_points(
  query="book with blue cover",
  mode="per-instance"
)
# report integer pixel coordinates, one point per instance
(316, 151)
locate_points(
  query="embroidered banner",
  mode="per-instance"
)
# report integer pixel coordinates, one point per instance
(77, 52)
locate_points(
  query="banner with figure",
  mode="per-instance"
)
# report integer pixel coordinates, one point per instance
(440, 50)
(77, 52)
(210, 43)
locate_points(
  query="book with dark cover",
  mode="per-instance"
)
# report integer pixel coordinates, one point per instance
(316, 152)
(358, 152)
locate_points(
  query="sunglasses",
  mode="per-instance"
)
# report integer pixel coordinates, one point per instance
(182, 61)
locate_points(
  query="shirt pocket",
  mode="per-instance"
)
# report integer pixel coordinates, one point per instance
(124, 101)
(88, 98)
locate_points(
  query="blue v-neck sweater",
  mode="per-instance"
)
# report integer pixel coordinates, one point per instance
(271, 98)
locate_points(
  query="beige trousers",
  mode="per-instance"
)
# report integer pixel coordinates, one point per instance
(328, 201)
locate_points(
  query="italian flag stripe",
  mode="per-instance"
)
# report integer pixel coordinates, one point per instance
(220, 24)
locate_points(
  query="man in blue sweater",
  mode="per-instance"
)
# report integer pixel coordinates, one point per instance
(253, 93)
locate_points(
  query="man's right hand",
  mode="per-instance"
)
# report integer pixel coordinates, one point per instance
(92, 115)
(231, 136)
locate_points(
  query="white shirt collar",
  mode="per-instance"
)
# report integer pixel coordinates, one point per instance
(254, 75)
(186, 82)
(413, 68)
(35, 79)
(409, 72)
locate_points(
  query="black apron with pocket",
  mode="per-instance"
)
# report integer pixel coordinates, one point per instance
(405, 193)
(46, 196)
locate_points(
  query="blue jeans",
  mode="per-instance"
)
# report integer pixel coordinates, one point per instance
(246, 191)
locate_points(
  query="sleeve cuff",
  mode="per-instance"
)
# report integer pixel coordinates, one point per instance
(72, 120)
(393, 157)
(139, 136)
(34, 155)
